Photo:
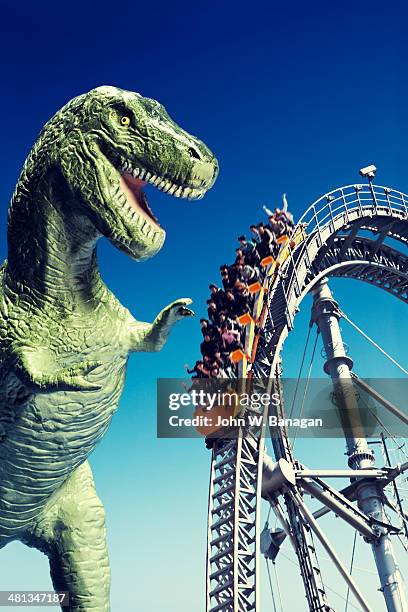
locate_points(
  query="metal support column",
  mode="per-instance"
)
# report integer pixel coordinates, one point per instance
(338, 365)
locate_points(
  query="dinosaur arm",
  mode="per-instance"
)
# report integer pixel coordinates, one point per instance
(35, 367)
(150, 337)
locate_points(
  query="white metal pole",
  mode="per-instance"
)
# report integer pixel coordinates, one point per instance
(330, 551)
(338, 365)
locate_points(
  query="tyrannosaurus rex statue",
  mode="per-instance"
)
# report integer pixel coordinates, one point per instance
(64, 337)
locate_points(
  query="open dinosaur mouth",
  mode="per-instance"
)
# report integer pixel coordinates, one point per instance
(133, 189)
(132, 181)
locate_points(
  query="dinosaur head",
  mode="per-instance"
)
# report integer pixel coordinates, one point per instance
(113, 143)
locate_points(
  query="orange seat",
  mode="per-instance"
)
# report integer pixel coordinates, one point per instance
(255, 287)
(282, 239)
(266, 261)
(209, 426)
(244, 319)
(237, 355)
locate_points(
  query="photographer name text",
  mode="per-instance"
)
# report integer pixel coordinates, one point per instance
(251, 420)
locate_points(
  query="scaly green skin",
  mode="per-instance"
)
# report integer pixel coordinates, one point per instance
(64, 337)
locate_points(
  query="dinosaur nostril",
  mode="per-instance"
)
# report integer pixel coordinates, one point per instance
(194, 153)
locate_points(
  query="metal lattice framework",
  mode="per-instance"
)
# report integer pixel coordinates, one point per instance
(233, 541)
(344, 236)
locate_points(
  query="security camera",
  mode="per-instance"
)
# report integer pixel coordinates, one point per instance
(368, 171)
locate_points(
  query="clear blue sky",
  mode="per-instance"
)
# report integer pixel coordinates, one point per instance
(291, 97)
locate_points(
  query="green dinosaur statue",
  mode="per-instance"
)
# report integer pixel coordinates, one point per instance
(64, 337)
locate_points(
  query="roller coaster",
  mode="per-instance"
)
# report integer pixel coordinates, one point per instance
(357, 231)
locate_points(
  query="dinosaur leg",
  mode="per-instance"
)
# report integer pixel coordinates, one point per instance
(71, 531)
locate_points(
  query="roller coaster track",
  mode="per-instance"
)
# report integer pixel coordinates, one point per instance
(342, 235)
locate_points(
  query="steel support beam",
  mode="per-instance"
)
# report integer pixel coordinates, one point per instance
(330, 551)
(338, 365)
(347, 514)
(305, 473)
(380, 399)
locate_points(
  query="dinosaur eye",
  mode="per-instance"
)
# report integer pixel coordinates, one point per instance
(125, 120)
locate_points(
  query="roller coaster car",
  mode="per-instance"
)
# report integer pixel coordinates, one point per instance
(285, 243)
(237, 355)
(266, 261)
(245, 318)
(299, 233)
(288, 244)
(209, 426)
(255, 287)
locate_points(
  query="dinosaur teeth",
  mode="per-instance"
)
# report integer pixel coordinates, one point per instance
(162, 184)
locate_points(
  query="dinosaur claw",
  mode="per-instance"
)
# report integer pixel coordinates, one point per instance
(79, 383)
(77, 380)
